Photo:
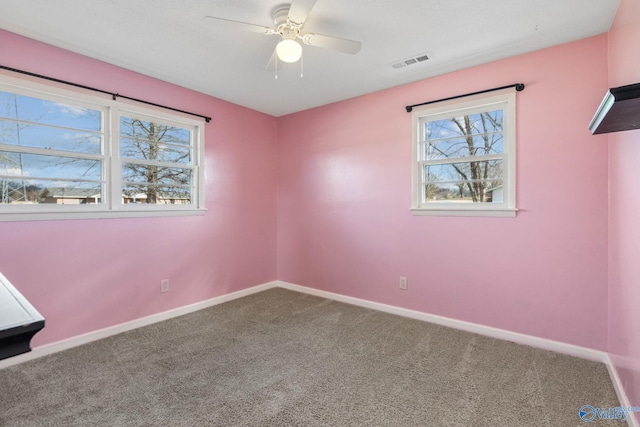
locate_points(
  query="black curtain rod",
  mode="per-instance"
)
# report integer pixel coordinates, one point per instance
(113, 95)
(519, 87)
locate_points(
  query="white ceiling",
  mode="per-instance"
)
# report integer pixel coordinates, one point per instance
(171, 40)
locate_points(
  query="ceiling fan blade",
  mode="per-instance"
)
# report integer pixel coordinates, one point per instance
(244, 25)
(300, 9)
(334, 43)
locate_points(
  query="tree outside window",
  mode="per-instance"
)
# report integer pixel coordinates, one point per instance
(464, 157)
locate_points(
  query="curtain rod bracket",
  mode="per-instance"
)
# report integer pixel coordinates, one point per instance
(519, 87)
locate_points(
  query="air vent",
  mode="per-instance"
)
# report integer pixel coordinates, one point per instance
(411, 61)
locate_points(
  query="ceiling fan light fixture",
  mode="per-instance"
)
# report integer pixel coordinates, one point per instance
(289, 50)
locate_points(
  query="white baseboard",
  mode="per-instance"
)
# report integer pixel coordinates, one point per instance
(622, 395)
(127, 326)
(559, 347)
(556, 346)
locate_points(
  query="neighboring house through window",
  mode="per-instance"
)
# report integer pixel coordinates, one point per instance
(464, 156)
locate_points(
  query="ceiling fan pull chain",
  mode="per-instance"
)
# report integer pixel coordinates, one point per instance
(276, 59)
(301, 65)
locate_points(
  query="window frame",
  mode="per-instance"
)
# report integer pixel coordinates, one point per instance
(504, 99)
(112, 110)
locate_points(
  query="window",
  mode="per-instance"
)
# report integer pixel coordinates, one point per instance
(68, 155)
(464, 157)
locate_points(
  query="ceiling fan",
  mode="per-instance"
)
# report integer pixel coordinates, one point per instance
(289, 20)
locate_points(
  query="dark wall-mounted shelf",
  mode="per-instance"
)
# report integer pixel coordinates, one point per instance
(619, 110)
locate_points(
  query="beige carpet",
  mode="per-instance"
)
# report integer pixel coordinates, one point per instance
(281, 358)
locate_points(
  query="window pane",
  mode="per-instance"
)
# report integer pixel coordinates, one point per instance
(148, 150)
(155, 184)
(153, 142)
(31, 191)
(464, 171)
(470, 124)
(40, 166)
(146, 174)
(21, 107)
(147, 140)
(159, 195)
(464, 192)
(463, 136)
(465, 181)
(30, 135)
(464, 147)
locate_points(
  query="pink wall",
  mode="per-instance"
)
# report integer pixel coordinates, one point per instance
(344, 195)
(624, 210)
(84, 275)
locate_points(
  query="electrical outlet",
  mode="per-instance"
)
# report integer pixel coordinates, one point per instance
(403, 283)
(164, 285)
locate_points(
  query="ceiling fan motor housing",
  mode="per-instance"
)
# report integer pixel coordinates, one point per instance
(287, 29)
(280, 14)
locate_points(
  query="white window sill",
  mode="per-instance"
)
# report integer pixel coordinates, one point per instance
(46, 216)
(505, 213)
